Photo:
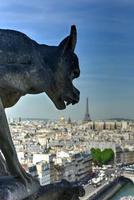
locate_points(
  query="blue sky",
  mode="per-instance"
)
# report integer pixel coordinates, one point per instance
(105, 48)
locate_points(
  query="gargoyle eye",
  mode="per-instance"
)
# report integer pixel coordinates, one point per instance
(72, 75)
(75, 74)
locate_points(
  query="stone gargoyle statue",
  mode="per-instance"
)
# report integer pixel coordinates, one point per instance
(27, 67)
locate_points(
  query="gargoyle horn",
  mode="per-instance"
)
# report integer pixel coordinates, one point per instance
(69, 42)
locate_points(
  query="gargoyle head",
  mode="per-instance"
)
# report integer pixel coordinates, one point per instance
(62, 91)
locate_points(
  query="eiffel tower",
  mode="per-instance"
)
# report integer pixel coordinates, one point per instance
(87, 115)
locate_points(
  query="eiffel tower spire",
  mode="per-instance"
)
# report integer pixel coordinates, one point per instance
(87, 115)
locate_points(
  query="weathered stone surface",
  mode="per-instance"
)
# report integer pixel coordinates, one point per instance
(3, 168)
(27, 67)
(59, 191)
(12, 189)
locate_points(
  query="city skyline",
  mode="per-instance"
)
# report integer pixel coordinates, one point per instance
(104, 48)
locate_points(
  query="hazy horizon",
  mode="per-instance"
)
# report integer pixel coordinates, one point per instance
(105, 49)
(66, 119)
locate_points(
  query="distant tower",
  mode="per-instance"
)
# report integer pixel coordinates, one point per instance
(19, 119)
(87, 115)
(69, 121)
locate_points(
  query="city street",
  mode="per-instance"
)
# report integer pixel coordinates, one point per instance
(90, 190)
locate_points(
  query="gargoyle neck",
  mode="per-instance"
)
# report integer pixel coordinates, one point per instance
(50, 55)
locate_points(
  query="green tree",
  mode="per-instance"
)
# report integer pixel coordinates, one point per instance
(102, 157)
(96, 155)
(107, 155)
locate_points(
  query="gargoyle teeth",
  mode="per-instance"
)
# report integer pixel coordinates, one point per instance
(74, 102)
(67, 103)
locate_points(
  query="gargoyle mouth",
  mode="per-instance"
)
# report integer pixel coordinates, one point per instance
(64, 101)
(70, 100)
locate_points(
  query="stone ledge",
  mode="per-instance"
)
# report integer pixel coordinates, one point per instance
(12, 189)
(59, 191)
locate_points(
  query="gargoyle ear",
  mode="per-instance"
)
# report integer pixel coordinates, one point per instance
(69, 42)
